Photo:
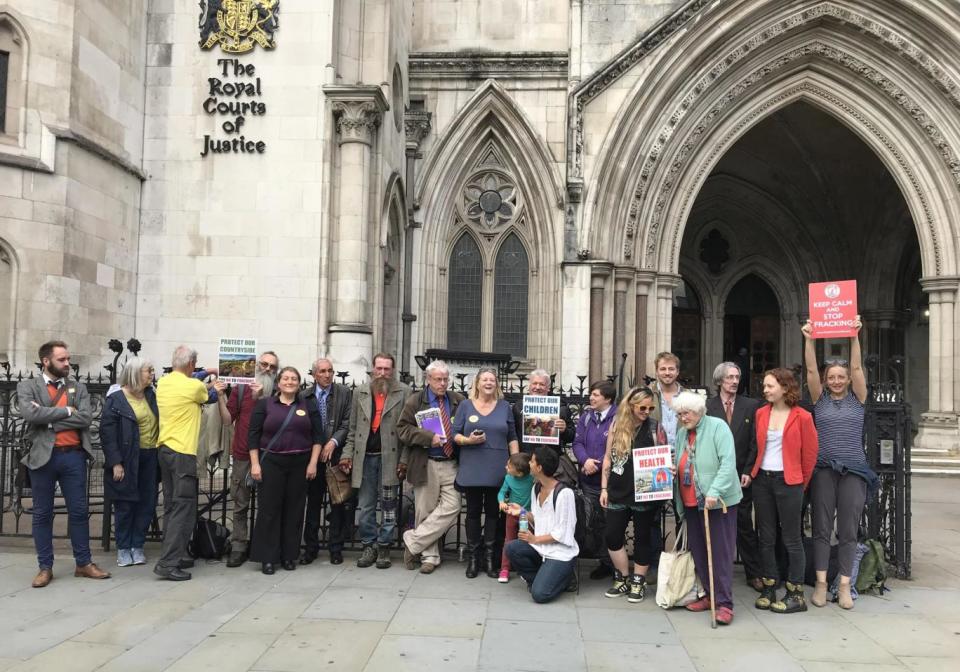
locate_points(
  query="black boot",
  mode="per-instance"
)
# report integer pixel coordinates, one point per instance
(473, 551)
(768, 594)
(792, 602)
(489, 562)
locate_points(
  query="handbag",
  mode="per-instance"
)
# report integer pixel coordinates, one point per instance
(249, 480)
(676, 574)
(338, 485)
(210, 541)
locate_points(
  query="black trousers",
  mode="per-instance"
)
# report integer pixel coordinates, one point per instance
(281, 496)
(336, 518)
(643, 522)
(482, 500)
(779, 505)
(748, 545)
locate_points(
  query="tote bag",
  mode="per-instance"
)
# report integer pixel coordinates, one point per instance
(676, 575)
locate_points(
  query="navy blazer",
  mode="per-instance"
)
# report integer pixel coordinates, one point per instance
(120, 441)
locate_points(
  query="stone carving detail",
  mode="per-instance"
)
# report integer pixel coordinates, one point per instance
(484, 65)
(870, 27)
(749, 83)
(416, 125)
(490, 200)
(357, 121)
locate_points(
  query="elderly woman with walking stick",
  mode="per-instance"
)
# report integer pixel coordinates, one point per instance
(706, 494)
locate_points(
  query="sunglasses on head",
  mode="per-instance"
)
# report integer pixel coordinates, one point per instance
(836, 362)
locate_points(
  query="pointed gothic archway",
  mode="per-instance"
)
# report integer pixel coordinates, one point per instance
(887, 78)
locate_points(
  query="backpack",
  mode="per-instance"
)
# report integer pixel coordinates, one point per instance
(211, 540)
(588, 518)
(873, 569)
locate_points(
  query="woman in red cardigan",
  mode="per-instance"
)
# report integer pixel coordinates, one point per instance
(786, 456)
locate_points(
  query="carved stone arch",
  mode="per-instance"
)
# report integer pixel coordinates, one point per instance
(15, 41)
(491, 132)
(871, 71)
(9, 281)
(701, 284)
(783, 284)
(394, 204)
(388, 262)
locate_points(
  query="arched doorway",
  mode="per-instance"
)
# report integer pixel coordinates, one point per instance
(687, 341)
(751, 331)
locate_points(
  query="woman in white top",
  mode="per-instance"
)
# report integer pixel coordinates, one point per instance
(546, 555)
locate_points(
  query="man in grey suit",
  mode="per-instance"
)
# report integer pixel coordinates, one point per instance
(333, 400)
(57, 414)
(740, 413)
(372, 442)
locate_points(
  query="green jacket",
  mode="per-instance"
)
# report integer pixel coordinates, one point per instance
(715, 464)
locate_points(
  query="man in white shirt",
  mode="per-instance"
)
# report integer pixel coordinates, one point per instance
(545, 556)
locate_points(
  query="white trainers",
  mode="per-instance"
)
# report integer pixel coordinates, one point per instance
(124, 557)
(139, 558)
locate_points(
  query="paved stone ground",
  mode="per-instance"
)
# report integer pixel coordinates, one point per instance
(343, 618)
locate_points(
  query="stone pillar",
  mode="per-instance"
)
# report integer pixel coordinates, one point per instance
(575, 329)
(598, 281)
(643, 356)
(938, 425)
(357, 112)
(416, 125)
(666, 283)
(622, 278)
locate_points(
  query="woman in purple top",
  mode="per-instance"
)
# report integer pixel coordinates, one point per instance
(284, 442)
(483, 428)
(838, 489)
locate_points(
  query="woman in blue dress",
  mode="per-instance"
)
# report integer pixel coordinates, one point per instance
(484, 431)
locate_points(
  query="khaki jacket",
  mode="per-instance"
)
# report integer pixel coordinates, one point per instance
(361, 412)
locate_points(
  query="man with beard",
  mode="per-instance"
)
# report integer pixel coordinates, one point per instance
(739, 412)
(429, 462)
(667, 367)
(240, 406)
(333, 401)
(56, 412)
(372, 442)
(180, 398)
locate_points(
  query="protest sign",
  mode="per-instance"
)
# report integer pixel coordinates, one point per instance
(540, 415)
(237, 360)
(833, 308)
(652, 475)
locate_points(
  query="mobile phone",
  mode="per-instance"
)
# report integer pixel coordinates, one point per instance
(477, 432)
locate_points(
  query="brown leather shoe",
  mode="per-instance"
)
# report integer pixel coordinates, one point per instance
(427, 568)
(756, 584)
(91, 571)
(43, 577)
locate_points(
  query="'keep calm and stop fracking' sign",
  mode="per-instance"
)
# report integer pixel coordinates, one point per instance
(833, 308)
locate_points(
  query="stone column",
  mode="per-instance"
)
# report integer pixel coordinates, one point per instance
(622, 278)
(416, 125)
(598, 281)
(938, 425)
(666, 283)
(357, 112)
(643, 334)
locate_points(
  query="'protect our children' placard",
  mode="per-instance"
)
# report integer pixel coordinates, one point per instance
(540, 415)
(833, 308)
(237, 360)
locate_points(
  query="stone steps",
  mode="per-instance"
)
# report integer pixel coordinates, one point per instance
(934, 462)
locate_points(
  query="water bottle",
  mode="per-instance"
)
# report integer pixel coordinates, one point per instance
(523, 525)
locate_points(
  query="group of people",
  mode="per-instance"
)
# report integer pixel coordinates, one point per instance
(736, 458)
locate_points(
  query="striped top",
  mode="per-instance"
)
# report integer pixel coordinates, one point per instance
(840, 429)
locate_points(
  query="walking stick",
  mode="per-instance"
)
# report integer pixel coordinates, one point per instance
(706, 530)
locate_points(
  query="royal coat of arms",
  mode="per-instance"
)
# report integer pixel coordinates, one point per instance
(238, 25)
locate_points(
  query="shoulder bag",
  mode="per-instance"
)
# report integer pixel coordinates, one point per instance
(249, 480)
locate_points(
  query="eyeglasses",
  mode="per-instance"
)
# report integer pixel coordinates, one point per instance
(645, 409)
(268, 366)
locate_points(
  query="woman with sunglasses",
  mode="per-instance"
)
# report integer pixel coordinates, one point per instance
(838, 490)
(707, 479)
(632, 428)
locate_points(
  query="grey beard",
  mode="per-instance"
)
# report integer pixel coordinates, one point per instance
(267, 381)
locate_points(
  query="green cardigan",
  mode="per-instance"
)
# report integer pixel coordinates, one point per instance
(715, 464)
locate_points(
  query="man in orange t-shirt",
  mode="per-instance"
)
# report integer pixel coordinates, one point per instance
(57, 415)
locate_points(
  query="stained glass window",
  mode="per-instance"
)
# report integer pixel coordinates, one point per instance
(464, 310)
(511, 282)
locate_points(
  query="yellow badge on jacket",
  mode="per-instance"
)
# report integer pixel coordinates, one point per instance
(474, 418)
(301, 412)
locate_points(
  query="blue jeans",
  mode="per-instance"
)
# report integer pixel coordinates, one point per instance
(546, 578)
(372, 490)
(133, 518)
(70, 470)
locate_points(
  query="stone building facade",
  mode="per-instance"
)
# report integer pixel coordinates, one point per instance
(563, 181)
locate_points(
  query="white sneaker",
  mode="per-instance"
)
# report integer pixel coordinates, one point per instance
(124, 557)
(138, 556)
